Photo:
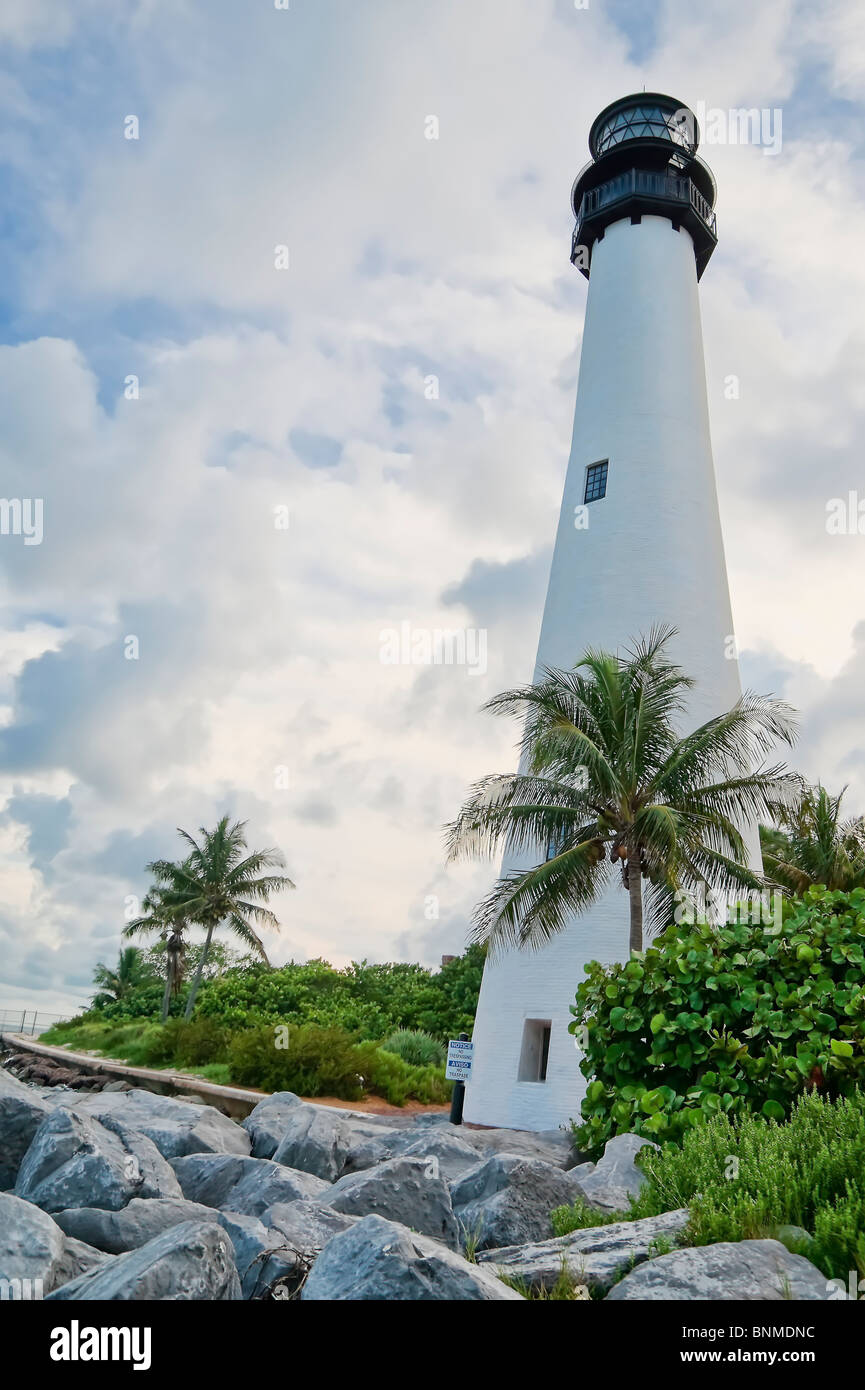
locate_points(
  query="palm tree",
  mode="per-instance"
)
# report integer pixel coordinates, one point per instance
(116, 984)
(811, 844)
(218, 884)
(606, 781)
(157, 918)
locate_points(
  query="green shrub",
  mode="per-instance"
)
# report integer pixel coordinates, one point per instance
(743, 1177)
(315, 1062)
(417, 1048)
(396, 1081)
(579, 1216)
(722, 1020)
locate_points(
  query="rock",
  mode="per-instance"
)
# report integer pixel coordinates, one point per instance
(305, 1228)
(381, 1260)
(407, 1190)
(74, 1161)
(552, 1146)
(454, 1157)
(22, 1111)
(31, 1244)
(747, 1270)
(616, 1178)
(508, 1200)
(77, 1259)
(134, 1225)
(595, 1257)
(266, 1124)
(330, 1143)
(246, 1185)
(117, 1086)
(35, 1250)
(262, 1256)
(175, 1126)
(193, 1262)
(794, 1236)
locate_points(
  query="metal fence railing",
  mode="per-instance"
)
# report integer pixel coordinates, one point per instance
(30, 1022)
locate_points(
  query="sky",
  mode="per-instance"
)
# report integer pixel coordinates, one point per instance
(289, 342)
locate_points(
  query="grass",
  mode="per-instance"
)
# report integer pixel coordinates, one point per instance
(579, 1216)
(566, 1289)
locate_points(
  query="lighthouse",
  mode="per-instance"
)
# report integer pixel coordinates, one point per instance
(639, 541)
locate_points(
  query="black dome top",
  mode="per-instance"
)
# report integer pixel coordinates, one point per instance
(644, 116)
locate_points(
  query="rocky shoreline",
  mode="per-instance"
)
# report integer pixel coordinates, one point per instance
(115, 1192)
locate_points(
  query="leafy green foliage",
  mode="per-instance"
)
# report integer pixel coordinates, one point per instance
(609, 790)
(808, 1171)
(723, 1020)
(370, 1000)
(328, 1062)
(745, 1179)
(812, 844)
(307, 1059)
(132, 972)
(416, 1047)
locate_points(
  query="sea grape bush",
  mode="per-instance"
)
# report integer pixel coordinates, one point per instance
(724, 1019)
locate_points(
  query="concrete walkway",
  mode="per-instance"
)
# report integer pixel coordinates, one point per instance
(235, 1101)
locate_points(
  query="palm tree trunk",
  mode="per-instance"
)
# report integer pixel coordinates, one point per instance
(635, 893)
(166, 997)
(190, 1003)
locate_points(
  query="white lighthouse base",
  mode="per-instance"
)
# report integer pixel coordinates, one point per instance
(522, 992)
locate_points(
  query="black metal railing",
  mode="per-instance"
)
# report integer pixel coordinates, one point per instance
(665, 187)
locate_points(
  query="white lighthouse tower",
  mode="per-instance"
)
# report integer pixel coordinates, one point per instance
(639, 540)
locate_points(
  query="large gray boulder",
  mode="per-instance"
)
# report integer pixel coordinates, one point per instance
(745, 1270)
(305, 1228)
(595, 1257)
(246, 1185)
(134, 1225)
(22, 1111)
(31, 1244)
(265, 1259)
(508, 1200)
(74, 1161)
(454, 1157)
(381, 1260)
(78, 1258)
(331, 1143)
(616, 1178)
(266, 1124)
(193, 1262)
(35, 1254)
(552, 1146)
(175, 1126)
(408, 1190)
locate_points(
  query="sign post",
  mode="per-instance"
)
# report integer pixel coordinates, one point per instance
(459, 1069)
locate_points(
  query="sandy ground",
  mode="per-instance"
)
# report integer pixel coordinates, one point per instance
(374, 1105)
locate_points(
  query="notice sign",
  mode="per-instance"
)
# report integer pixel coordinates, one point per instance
(459, 1067)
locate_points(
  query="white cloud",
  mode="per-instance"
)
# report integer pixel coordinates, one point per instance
(259, 648)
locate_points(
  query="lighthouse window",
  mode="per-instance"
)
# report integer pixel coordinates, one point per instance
(596, 481)
(535, 1050)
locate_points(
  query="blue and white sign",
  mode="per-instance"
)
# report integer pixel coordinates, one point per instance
(459, 1067)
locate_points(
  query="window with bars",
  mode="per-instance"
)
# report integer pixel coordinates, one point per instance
(596, 481)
